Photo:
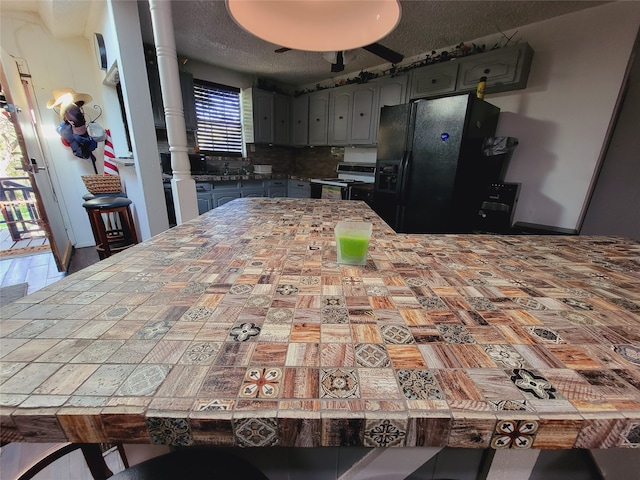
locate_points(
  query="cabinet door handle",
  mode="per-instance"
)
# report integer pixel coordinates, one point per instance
(340, 117)
(317, 119)
(487, 70)
(362, 114)
(433, 81)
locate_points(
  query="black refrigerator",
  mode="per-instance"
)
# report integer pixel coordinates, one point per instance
(430, 172)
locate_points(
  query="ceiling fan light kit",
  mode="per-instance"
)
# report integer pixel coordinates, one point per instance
(317, 25)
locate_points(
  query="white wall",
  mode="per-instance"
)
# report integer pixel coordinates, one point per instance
(562, 117)
(55, 64)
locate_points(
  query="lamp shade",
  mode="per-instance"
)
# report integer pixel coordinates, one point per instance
(317, 25)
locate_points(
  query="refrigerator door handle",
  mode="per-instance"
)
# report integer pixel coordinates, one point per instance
(403, 174)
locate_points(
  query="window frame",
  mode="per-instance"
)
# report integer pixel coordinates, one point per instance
(237, 136)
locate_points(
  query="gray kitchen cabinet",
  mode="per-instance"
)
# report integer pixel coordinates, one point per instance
(364, 115)
(281, 119)
(252, 188)
(205, 202)
(269, 116)
(263, 116)
(392, 90)
(433, 80)
(203, 194)
(222, 197)
(224, 192)
(340, 102)
(505, 68)
(300, 120)
(298, 189)
(352, 111)
(155, 90)
(318, 117)
(276, 188)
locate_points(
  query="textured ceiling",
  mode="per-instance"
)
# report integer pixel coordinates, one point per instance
(205, 32)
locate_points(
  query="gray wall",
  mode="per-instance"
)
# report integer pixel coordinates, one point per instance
(614, 208)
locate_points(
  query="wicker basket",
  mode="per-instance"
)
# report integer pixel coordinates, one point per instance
(102, 183)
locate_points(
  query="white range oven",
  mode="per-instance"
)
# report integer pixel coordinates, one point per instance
(354, 181)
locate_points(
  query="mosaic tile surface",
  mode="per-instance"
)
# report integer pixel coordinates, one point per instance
(239, 328)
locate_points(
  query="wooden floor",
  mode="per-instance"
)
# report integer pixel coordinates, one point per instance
(39, 270)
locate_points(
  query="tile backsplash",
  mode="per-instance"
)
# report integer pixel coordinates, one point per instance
(300, 161)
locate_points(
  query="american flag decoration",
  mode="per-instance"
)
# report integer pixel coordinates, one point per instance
(110, 166)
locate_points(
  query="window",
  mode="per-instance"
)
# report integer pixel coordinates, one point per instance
(219, 122)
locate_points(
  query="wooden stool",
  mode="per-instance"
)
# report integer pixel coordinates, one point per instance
(91, 196)
(112, 224)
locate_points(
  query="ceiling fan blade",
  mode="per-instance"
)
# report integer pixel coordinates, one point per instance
(282, 50)
(339, 65)
(384, 52)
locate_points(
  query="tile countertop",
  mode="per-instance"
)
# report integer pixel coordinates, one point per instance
(238, 328)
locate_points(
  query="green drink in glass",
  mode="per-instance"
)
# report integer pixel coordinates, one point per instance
(352, 242)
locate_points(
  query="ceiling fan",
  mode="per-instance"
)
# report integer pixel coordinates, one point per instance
(377, 49)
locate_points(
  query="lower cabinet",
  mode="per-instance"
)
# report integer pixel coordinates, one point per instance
(220, 193)
(203, 193)
(252, 188)
(205, 202)
(299, 189)
(276, 188)
(224, 196)
(224, 192)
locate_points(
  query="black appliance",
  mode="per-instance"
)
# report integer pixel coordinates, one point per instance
(198, 164)
(430, 169)
(498, 207)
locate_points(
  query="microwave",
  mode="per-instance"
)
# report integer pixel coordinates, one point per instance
(198, 163)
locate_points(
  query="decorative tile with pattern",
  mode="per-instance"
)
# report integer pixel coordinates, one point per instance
(385, 433)
(455, 334)
(372, 355)
(516, 434)
(261, 383)
(244, 332)
(169, 431)
(256, 432)
(397, 334)
(419, 385)
(505, 356)
(339, 383)
(534, 386)
(630, 353)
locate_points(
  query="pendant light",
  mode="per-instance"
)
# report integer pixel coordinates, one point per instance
(317, 25)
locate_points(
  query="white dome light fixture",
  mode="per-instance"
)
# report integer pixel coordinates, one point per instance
(317, 25)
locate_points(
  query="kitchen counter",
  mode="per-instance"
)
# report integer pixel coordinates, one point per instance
(251, 176)
(238, 328)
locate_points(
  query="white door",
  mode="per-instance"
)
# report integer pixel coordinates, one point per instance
(18, 92)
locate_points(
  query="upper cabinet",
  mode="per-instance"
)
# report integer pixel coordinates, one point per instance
(281, 119)
(434, 80)
(270, 115)
(340, 104)
(350, 114)
(318, 117)
(186, 89)
(505, 68)
(391, 91)
(300, 120)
